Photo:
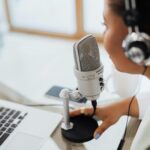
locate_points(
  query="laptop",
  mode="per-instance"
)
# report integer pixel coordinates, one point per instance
(25, 128)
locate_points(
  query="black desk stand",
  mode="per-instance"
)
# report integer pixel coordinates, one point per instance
(82, 130)
(79, 128)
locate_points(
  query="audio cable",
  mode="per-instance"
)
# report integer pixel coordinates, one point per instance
(94, 104)
(122, 141)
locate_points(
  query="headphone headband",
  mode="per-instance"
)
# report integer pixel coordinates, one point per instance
(136, 45)
(130, 4)
(131, 16)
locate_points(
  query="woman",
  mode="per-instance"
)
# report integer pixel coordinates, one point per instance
(113, 37)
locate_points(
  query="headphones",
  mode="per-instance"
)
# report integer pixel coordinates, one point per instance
(137, 44)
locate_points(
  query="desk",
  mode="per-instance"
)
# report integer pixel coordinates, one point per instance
(30, 65)
(108, 141)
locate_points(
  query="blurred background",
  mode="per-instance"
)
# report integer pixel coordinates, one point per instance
(36, 43)
(36, 53)
(64, 19)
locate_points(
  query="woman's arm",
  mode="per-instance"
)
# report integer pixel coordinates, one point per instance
(134, 109)
(110, 114)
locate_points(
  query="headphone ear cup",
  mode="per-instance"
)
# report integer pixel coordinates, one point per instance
(137, 48)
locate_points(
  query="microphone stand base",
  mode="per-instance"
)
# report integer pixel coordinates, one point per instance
(83, 129)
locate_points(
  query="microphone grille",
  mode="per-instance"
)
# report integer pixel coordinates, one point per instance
(89, 54)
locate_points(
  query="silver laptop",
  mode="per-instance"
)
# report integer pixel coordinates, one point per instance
(25, 128)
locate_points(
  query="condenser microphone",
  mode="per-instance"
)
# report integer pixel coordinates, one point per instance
(88, 68)
(89, 73)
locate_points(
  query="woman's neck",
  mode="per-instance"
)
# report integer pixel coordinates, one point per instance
(147, 73)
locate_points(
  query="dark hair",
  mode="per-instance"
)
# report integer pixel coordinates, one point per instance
(143, 6)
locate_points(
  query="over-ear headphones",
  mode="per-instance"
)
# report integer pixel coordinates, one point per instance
(137, 44)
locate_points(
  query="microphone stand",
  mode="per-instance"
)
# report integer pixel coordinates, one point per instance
(80, 128)
(66, 125)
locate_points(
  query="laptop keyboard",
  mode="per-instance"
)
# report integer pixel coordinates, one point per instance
(9, 120)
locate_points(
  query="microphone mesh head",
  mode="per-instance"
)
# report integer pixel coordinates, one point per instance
(89, 54)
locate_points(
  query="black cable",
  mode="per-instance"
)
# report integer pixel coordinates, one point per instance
(121, 144)
(126, 127)
(94, 104)
(132, 99)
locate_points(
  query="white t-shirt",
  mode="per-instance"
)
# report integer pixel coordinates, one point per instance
(142, 138)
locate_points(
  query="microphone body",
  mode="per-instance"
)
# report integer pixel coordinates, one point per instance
(88, 68)
(89, 73)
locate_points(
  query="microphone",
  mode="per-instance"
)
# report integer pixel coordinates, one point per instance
(89, 73)
(88, 68)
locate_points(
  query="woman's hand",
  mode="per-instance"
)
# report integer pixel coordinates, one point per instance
(109, 114)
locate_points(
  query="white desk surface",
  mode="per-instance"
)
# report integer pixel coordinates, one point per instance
(30, 65)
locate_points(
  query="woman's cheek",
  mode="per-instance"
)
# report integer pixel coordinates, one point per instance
(106, 41)
(115, 51)
(110, 43)
(113, 46)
